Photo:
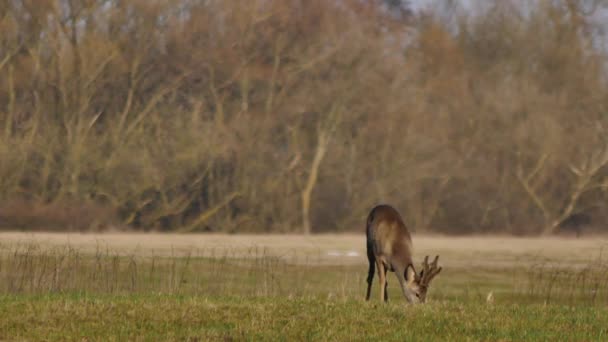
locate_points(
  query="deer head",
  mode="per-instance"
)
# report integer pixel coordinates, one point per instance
(418, 284)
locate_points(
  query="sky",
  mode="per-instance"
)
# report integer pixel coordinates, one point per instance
(599, 19)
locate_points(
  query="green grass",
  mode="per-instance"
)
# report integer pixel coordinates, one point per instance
(174, 317)
(62, 294)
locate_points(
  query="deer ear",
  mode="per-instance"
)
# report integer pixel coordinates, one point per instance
(410, 274)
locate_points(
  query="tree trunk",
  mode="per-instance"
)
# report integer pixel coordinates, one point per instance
(312, 180)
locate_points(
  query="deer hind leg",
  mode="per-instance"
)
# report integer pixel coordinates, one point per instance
(382, 278)
(370, 275)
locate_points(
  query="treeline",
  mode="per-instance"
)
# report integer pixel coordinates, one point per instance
(300, 115)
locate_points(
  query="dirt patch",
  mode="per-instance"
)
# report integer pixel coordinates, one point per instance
(336, 249)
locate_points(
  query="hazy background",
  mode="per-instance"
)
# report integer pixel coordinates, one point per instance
(301, 115)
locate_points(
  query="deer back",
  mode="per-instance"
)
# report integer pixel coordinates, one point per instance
(388, 237)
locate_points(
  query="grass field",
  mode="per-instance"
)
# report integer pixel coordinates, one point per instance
(154, 287)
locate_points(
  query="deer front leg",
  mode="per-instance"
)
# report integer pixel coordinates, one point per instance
(400, 272)
(386, 290)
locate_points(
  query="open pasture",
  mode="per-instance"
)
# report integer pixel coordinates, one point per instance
(275, 287)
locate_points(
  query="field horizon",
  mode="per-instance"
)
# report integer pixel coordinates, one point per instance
(335, 248)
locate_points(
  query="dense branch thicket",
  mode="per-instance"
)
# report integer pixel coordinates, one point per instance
(291, 115)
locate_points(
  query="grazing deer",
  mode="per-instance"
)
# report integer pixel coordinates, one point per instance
(389, 248)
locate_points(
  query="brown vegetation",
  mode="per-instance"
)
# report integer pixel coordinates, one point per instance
(286, 115)
(326, 249)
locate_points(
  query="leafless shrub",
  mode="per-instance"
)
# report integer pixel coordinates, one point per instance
(67, 215)
(550, 282)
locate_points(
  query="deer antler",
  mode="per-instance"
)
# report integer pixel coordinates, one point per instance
(429, 272)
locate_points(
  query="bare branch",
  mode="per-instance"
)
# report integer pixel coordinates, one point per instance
(525, 180)
(206, 215)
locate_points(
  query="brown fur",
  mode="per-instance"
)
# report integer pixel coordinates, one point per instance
(389, 248)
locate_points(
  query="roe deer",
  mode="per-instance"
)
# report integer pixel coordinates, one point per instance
(389, 248)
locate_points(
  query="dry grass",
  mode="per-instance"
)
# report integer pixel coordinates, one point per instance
(323, 266)
(334, 249)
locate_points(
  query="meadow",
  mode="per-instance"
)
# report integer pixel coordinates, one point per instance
(159, 287)
(210, 120)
